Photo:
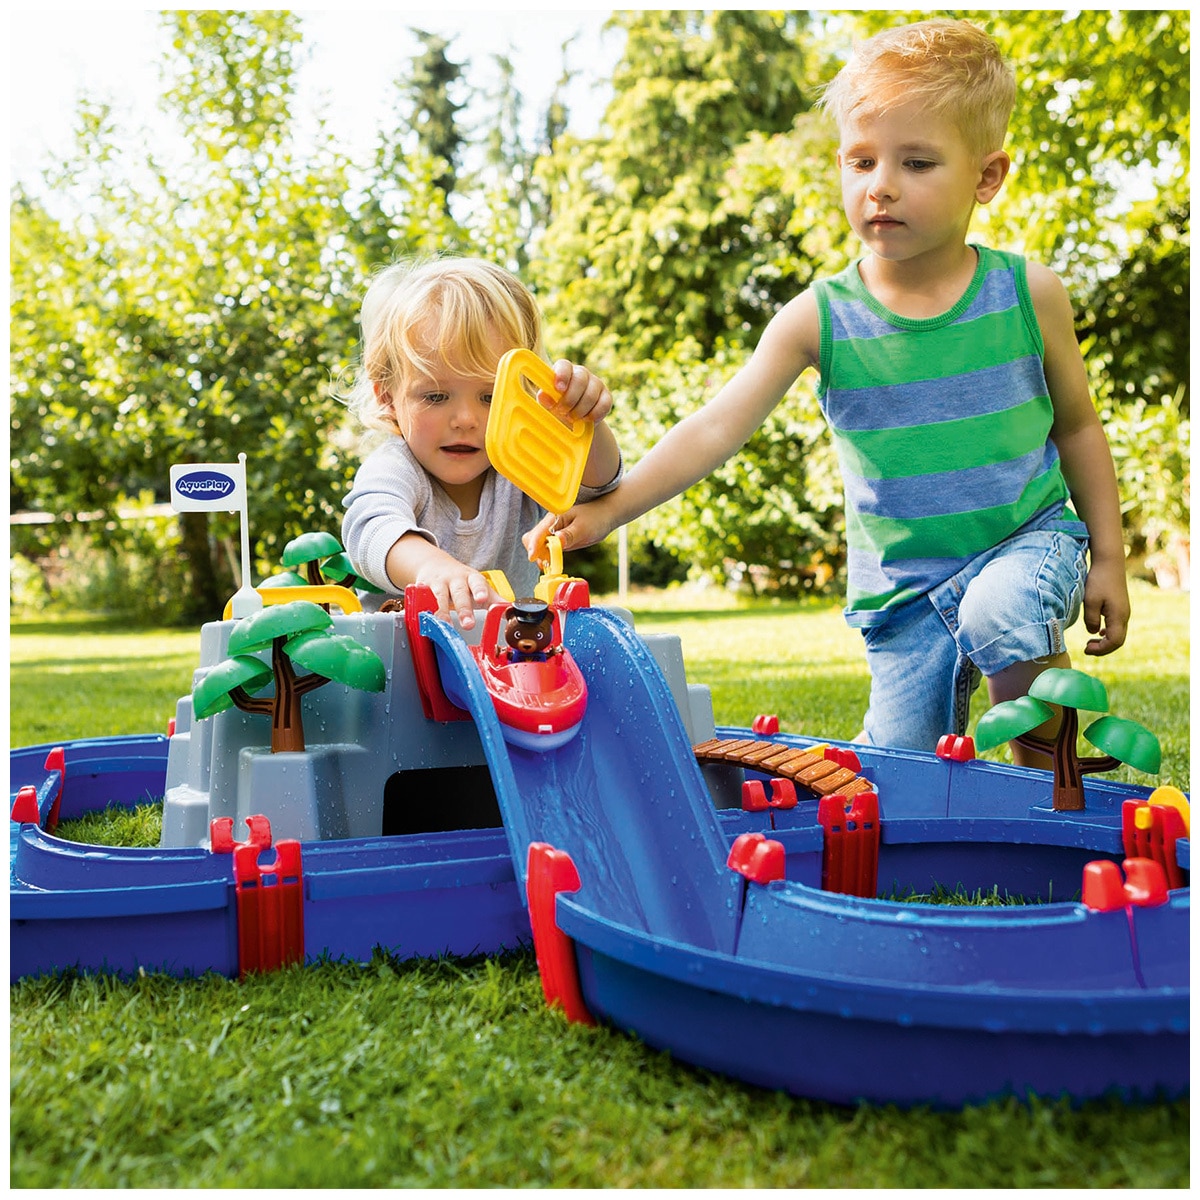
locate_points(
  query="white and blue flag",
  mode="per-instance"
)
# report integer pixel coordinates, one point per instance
(213, 487)
(219, 487)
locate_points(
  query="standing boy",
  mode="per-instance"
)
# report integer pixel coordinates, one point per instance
(977, 475)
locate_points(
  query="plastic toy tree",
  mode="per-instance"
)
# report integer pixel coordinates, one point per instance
(298, 635)
(1122, 740)
(314, 558)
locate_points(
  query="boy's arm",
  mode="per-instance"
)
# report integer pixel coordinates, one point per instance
(1087, 464)
(702, 441)
(455, 586)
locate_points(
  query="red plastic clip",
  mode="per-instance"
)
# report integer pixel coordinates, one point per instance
(844, 757)
(269, 896)
(765, 724)
(759, 858)
(270, 907)
(956, 748)
(25, 806)
(1144, 884)
(170, 727)
(1150, 830)
(549, 872)
(56, 760)
(850, 860)
(220, 834)
(755, 798)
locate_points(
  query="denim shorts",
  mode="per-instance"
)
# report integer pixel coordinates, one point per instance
(1010, 605)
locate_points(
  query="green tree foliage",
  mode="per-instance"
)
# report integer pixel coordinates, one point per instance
(434, 113)
(653, 274)
(174, 308)
(202, 309)
(641, 252)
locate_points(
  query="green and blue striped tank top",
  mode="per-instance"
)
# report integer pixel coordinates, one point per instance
(941, 428)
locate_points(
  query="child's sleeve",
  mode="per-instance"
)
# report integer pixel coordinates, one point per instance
(390, 492)
(594, 493)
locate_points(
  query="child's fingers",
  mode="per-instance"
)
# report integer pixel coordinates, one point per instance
(1111, 628)
(467, 593)
(582, 395)
(535, 540)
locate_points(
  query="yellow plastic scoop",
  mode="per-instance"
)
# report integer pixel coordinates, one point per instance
(527, 443)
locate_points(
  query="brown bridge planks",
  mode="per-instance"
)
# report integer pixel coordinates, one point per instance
(808, 768)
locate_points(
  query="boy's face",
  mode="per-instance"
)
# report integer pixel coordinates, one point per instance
(910, 181)
(444, 421)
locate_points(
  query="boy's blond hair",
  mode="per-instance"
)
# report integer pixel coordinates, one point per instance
(420, 318)
(951, 67)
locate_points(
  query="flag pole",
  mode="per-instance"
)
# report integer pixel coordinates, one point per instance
(246, 601)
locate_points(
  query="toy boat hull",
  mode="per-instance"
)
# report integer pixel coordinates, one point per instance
(540, 701)
(540, 704)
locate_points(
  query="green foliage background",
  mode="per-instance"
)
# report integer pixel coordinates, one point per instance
(184, 308)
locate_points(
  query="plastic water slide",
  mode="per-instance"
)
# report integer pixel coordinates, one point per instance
(787, 986)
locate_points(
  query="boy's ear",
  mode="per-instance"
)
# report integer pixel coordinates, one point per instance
(992, 175)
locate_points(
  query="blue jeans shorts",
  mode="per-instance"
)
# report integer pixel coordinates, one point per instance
(1010, 605)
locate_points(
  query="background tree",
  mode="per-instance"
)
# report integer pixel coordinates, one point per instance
(641, 252)
(655, 273)
(184, 305)
(434, 112)
(213, 312)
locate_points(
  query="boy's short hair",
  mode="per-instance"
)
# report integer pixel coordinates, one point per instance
(949, 66)
(419, 318)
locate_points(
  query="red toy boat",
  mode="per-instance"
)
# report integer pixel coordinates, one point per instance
(539, 695)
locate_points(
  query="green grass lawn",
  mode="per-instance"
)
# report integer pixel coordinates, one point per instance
(453, 1073)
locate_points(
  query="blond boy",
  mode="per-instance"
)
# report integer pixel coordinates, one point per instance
(977, 476)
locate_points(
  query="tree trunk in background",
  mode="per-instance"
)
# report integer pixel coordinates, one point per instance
(205, 593)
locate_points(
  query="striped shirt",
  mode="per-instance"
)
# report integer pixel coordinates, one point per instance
(942, 431)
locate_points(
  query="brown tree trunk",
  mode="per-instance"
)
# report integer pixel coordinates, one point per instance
(287, 721)
(1068, 779)
(204, 599)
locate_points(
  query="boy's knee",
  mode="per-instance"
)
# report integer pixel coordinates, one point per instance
(1007, 617)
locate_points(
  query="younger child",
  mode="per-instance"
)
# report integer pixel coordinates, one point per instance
(976, 472)
(427, 506)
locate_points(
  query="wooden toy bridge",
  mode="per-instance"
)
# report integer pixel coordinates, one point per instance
(808, 768)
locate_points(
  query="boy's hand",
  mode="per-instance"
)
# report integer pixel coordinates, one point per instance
(583, 396)
(1105, 607)
(583, 525)
(459, 589)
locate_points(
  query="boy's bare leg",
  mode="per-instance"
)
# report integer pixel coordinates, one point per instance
(1015, 681)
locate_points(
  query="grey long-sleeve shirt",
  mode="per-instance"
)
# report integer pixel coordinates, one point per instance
(393, 495)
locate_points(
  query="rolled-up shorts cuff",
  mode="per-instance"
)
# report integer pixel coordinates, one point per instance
(1019, 606)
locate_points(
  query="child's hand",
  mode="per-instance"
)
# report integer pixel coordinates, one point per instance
(459, 589)
(583, 396)
(1105, 607)
(583, 525)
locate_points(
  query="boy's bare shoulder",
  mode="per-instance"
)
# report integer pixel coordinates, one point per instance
(798, 325)
(1050, 300)
(1044, 284)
